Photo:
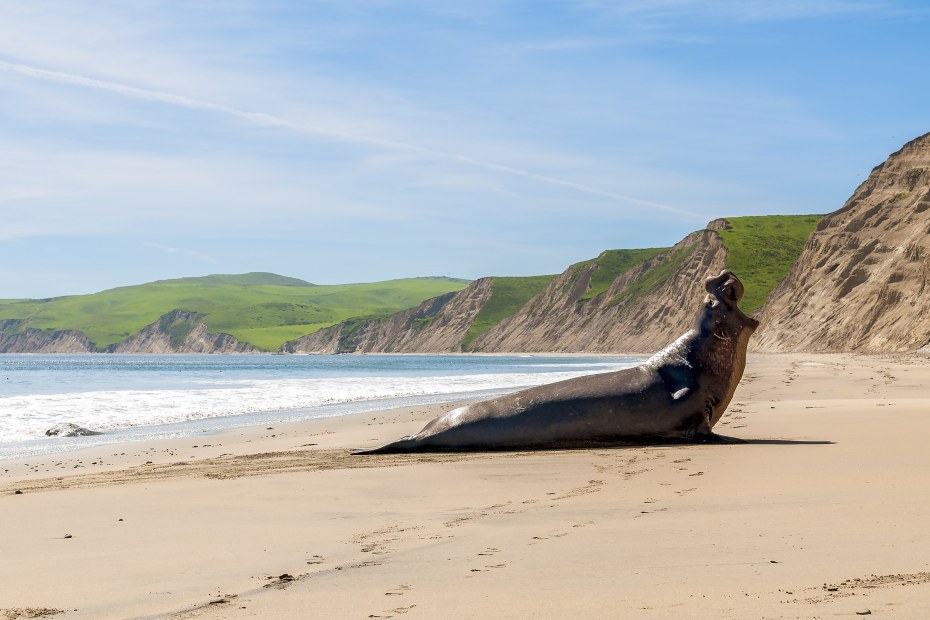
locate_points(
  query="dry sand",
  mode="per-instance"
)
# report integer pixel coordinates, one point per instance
(823, 513)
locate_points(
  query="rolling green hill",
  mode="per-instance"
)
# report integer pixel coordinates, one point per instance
(262, 309)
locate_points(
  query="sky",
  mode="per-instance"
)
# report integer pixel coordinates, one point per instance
(362, 140)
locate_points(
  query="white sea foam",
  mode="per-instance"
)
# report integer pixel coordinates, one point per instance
(25, 417)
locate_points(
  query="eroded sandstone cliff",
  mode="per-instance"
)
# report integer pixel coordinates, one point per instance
(14, 338)
(180, 331)
(645, 308)
(861, 282)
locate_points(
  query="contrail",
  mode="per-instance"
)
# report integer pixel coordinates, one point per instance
(262, 118)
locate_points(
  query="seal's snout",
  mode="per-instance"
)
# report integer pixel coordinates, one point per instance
(726, 287)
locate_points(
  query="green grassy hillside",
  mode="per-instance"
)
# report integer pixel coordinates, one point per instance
(657, 275)
(610, 265)
(265, 310)
(507, 296)
(762, 249)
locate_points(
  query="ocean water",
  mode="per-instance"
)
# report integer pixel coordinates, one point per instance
(138, 397)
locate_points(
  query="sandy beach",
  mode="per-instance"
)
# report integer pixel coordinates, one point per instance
(821, 513)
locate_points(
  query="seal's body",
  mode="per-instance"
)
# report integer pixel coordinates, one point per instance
(677, 394)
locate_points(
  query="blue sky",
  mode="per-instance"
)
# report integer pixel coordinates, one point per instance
(361, 140)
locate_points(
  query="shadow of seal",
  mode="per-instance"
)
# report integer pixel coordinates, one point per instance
(678, 394)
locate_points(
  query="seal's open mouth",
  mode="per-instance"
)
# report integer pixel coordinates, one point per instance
(726, 288)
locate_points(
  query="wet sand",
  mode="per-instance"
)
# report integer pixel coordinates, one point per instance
(822, 513)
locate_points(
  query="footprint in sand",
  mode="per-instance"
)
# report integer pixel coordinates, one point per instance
(403, 610)
(553, 534)
(646, 512)
(488, 567)
(390, 613)
(399, 590)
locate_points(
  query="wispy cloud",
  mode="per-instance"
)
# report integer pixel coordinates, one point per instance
(361, 139)
(264, 119)
(745, 10)
(172, 250)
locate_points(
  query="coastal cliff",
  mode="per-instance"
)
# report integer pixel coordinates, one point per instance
(180, 331)
(645, 307)
(862, 282)
(14, 338)
(621, 301)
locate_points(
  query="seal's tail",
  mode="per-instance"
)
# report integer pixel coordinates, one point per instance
(407, 444)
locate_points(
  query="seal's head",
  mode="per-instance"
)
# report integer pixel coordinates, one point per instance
(724, 292)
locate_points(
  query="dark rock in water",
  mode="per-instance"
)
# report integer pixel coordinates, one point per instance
(69, 430)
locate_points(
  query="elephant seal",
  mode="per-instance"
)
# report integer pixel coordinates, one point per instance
(678, 394)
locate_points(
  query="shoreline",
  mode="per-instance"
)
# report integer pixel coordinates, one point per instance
(236, 441)
(821, 513)
(154, 398)
(220, 425)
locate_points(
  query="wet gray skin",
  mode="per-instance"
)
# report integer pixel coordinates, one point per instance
(676, 395)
